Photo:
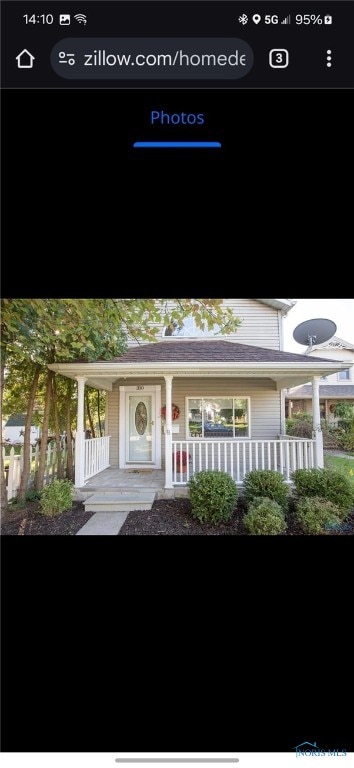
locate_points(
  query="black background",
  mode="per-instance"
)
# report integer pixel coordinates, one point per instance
(155, 643)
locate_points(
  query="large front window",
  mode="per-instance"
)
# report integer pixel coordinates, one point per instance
(218, 417)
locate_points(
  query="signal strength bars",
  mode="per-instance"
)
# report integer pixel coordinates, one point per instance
(287, 20)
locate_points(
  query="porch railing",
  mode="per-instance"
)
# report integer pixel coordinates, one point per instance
(96, 456)
(238, 458)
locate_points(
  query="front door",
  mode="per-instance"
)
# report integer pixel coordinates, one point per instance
(140, 426)
(140, 433)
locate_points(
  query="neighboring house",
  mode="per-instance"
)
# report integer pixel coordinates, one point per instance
(14, 428)
(334, 388)
(225, 395)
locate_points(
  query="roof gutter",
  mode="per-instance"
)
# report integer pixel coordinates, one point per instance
(104, 368)
(283, 305)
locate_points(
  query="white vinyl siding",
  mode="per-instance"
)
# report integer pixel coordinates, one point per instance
(342, 355)
(260, 324)
(264, 398)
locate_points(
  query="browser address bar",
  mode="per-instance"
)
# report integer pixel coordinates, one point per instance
(152, 58)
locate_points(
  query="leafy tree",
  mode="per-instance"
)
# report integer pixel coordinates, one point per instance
(141, 317)
(36, 332)
(17, 319)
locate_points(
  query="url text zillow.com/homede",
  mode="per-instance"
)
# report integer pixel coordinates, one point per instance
(100, 58)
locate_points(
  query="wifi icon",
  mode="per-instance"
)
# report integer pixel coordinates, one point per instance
(81, 18)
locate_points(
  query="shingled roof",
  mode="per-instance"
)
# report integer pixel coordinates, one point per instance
(218, 351)
(326, 390)
(16, 420)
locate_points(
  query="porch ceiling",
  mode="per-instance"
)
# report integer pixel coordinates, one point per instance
(102, 375)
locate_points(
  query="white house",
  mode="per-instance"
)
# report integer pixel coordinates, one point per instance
(334, 387)
(14, 427)
(217, 401)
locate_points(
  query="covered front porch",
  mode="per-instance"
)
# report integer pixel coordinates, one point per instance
(113, 479)
(283, 455)
(150, 385)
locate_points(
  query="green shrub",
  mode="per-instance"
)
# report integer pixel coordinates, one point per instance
(332, 437)
(264, 518)
(33, 495)
(213, 496)
(344, 425)
(56, 497)
(315, 515)
(266, 483)
(300, 425)
(300, 416)
(343, 410)
(347, 441)
(326, 483)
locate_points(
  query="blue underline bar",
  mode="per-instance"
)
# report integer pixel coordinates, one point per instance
(177, 145)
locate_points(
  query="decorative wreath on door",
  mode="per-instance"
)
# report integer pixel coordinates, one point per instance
(175, 412)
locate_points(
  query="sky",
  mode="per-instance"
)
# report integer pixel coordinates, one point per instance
(341, 311)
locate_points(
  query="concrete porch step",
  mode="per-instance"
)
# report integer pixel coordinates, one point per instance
(120, 501)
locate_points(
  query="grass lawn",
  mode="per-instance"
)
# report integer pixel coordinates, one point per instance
(345, 466)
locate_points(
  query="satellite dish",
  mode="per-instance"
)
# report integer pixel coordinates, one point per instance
(314, 331)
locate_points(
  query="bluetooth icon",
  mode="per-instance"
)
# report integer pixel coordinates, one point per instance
(243, 19)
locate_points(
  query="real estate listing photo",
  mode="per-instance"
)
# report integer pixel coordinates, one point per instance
(168, 417)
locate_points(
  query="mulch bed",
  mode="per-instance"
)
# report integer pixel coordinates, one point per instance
(28, 521)
(172, 517)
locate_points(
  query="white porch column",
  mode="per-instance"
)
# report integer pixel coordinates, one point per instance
(282, 412)
(80, 435)
(168, 433)
(316, 421)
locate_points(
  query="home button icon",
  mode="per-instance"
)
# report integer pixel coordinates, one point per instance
(25, 59)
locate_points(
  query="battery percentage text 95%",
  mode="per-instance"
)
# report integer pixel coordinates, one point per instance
(308, 18)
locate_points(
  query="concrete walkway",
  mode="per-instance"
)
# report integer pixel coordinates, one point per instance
(103, 524)
(340, 454)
